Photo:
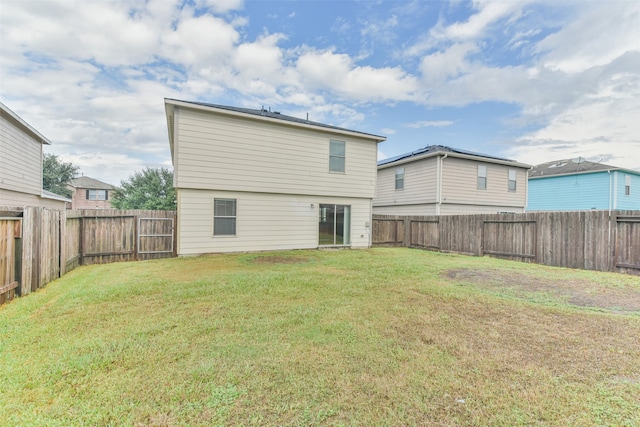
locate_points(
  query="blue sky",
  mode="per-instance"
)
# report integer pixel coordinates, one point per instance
(534, 81)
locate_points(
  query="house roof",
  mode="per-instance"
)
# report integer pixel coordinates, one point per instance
(86, 182)
(50, 195)
(433, 150)
(262, 114)
(572, 167)
(19, 122)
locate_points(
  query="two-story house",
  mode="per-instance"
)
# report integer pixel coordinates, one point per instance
(21, 164)
(579, 184)
(90, 193)
(440, 180)
(249, 180)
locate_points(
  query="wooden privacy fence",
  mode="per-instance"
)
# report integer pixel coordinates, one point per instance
(103, 236)
(38, 245)
(590, 240)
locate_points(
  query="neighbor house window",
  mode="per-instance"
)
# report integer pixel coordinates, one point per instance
(224, 217)
(513, 174)
(336, 156)
(627, 185)
(482, 177)
(399, 178)
(97, 195)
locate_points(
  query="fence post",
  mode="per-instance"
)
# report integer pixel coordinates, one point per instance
(80, 240)
(136, 237)
(407, 232)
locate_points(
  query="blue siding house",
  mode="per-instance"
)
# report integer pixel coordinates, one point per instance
(578, 184)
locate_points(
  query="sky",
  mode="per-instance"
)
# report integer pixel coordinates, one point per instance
(532, 81)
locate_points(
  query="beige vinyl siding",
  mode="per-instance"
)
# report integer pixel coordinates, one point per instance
(420, 184)
(17, 199)
(264, 221)
(240, 154)
(20, 160)
(421, 209)
(460, 184)
(459, 209)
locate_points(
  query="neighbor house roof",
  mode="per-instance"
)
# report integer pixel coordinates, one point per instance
(19, 122)
(260, 114)
(572, 167)
(434, 150)
(90, 183)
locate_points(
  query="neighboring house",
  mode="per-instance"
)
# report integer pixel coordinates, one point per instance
(578, 184)
(89, 193)
(249, 180)
(439, 180)
(21, 164)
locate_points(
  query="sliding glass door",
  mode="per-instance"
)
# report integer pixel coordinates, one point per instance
(334, 225)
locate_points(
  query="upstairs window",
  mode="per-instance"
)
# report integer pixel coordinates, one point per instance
(513, 175)
(336, 156)
(97, 195)
(224, 217)
(399, 178)
(482, 177)
(627, 185)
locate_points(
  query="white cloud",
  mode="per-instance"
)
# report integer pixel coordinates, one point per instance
(446, 64)
(598, 35)
(488, 13)
(200, 41)
(221, 6)
(429, 123)
(387, 131)
(602, 124)
(338, 73)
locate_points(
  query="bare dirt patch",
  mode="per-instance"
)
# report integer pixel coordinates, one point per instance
(577, 292)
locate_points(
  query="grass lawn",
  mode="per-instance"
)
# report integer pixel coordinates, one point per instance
(354, 337)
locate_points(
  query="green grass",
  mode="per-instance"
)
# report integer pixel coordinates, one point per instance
(374, 337)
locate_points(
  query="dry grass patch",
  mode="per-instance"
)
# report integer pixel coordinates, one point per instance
(582, 292)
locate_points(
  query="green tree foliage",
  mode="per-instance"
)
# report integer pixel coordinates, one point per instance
(56, 174)
(148, 189)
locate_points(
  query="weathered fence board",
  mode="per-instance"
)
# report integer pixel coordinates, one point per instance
(592, 240)
(10, 231)
(512, 239)
(627, 256)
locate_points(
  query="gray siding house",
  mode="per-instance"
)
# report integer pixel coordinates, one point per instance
(21, 164)
(440, 180)
(250, 180)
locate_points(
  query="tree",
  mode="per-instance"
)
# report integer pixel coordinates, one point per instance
(148, 189)
(56, 174)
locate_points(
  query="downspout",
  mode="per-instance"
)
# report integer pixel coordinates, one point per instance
(526, 188)
(609, 222)
(615, 190)
(439, 188)
(610, 190)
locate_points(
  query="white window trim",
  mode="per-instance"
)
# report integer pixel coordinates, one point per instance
(344, 157)
(214, 216)
(401, 170)
(484, 175)
(514, 180)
